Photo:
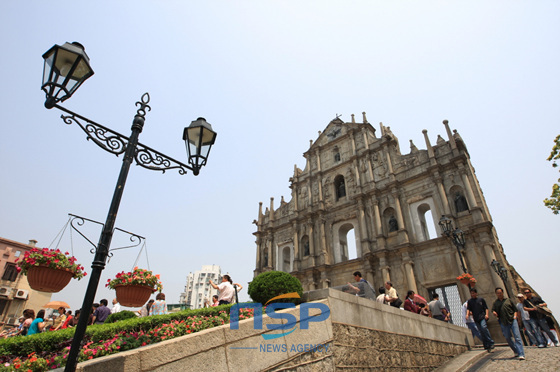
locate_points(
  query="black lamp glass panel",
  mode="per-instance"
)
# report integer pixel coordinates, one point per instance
(65, 69)
(445, 224)
(460, 236)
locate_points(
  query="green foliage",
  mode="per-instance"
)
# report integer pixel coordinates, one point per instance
(121, 315)
(274, 283)
(54, 341)
(554, 201)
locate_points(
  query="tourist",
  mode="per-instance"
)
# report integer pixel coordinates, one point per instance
(38, 324)
(145, 310)
(360, 288)
(550, 323)
(505, 310)
(60, 319)
(225, 288)
(101, 313)
(215, 301)
(381, 297)
(479, 310)
(74, 320)
(116, 306)
(537, 319)
(409, 304)
(237, 288)
(437, 309)
(469, 321)
(91, 319)
(159, 307)
(424, 309)
(524, 316)
(391, 296)
(69, 317)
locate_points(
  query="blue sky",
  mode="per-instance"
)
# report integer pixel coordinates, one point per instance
(268, 76)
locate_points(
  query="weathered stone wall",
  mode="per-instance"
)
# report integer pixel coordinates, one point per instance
(362, 349)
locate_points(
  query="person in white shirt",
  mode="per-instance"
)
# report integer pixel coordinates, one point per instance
(225, 288)
(381, 297)
(116, 306)
(524, 316)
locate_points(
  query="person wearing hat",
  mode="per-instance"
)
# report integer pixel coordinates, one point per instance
(524, 316)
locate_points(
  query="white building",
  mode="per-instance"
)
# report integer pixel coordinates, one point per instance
(198, 289)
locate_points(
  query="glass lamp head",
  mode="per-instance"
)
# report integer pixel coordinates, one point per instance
(66, 67)
(199, 138)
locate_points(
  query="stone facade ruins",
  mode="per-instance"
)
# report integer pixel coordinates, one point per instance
(355, 180)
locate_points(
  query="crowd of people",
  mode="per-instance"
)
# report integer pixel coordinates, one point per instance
(529, 314)
(31, 323)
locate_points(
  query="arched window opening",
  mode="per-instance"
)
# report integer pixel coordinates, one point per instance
(305, 245)
(347, 242)
(428, 228)
(265, 257)
(351, 243)
(339, 187)
(286, 259)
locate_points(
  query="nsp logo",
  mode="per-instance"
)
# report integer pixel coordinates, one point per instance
(291, 320)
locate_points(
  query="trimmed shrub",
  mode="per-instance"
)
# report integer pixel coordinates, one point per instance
(274, 283)
(54, 341)
(121, 315)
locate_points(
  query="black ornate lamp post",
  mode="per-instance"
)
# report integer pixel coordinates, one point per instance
(502, 273)
(66, 68)
(456, 235)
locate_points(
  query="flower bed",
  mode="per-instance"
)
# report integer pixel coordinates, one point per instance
(46, 351)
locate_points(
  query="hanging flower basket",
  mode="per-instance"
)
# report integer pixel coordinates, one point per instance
(49, 270)
(133, 295)
(45, 279)
(467, 279)
(134, 288)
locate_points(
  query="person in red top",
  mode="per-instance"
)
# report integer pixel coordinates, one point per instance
(409, 304)
(69, 318)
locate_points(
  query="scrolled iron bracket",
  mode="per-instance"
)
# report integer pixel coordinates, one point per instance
(116, 143)
(78, 221)
(106, 138)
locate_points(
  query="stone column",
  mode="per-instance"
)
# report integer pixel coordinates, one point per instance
(378, 226)
(270, 263)
(297, 254)
(258, 263)
(324, 260)
(468, 189)
(489, 254)
(385, 270)
(400, 219)
(369, 274)
(442, 195)
(312, 252)
(409, 272)
(363, 229)
(294, 187)
(357, 171)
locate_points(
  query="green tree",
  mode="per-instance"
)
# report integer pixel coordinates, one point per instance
(274, 283)
(554, 201)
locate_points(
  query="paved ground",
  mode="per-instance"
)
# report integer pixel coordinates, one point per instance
(547, 359)
(478, 360)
